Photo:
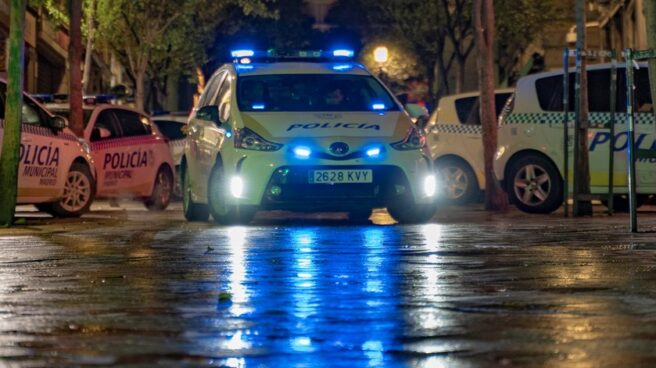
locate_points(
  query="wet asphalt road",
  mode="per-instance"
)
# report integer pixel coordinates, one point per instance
(133, 288)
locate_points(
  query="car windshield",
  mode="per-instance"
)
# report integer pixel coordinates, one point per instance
(86, 114)
(312, 92)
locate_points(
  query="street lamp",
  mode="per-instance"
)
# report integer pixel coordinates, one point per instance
(381, 55)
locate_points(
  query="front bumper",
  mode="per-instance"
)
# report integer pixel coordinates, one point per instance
(398, 176)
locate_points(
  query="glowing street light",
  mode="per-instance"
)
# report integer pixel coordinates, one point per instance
(381, 54)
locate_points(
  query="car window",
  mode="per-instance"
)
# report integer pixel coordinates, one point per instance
(86, 114)
(223, 95)
(211, 89)
(312, 92)
(31, 113)
(170, 129)
(132, 123)
(106, 121)
(467, 110)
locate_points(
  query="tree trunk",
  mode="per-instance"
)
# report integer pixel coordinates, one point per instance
(582, 161)
(483, 13)
(75, 62)
(12, 123)
(140, 85)
(650, 13)
(460, 74)
(89, 49)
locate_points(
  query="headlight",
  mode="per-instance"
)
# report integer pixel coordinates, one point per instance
(430, 185)
(248, 139)
(415, 139)
(236, 186)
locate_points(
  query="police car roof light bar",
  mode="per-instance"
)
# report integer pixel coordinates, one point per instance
(274, 55)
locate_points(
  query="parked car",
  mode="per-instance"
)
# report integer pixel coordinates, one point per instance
(56, 170)
(133, 158)
(304, 131)
(454, 136)
(172, 127)
(530, 156)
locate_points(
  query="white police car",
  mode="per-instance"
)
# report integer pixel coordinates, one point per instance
(56, 171)
(132, 156)
(306, 131)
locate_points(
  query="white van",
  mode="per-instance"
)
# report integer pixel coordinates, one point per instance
(454, 136)
(529, 159)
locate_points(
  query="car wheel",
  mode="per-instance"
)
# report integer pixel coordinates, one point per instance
(192, 211)
(409, 212)
(79, 192)
(223, 212)
(360, 215)
(621, 202)
(460, 182)
(535, 185)
(162, 190)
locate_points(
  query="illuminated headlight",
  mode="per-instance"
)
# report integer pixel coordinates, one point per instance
(373, 152)
(236, 186)
(430, 185)
(302, 152)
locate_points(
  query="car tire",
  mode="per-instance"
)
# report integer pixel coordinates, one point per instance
(192, 211)
(621, 202)
(222, 212)
(162, 190)
(534, 184)
(79, 193)
(460, 184)
(409, 212)
(360, 215)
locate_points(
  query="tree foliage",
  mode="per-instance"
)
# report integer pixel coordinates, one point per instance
(518, 24)
(155, 38)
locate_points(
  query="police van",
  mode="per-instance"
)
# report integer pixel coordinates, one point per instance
(529, 158)
(303, 131)
(56, 171)
(132, 157)
(454, 136)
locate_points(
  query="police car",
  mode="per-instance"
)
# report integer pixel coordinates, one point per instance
(304, 131)
(56, 170)
(454, 136)
(530, 153)
(132, 157)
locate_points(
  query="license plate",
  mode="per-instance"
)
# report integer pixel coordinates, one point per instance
(340, 176)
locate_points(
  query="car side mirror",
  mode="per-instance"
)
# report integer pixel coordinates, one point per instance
(209, 113)
(416, 111)
(58, 122)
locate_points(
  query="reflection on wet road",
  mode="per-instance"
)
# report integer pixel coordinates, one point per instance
(156, 290)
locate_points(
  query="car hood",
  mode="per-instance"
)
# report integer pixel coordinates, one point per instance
(350, 124)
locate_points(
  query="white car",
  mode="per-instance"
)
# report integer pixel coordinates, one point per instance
(454, 136)
(172, 126)
(309, 131)
(530, 154)
(56, 171)
(132, 156)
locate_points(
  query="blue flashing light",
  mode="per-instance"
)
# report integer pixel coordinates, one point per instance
(378, 106)
(258, 106)
(302, 152)
(343, 53)
(242, 53)
(228, 134)
(342, 67)
(373, 152)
